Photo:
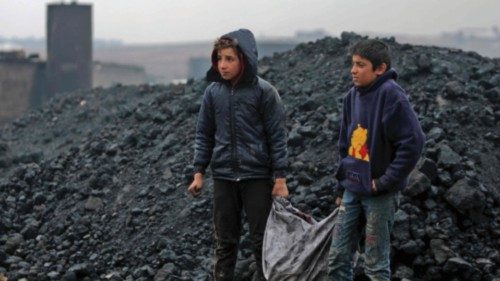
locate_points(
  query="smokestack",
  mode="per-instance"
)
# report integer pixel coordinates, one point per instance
(69, 47)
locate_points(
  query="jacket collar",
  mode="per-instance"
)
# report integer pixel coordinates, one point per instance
(389, 74)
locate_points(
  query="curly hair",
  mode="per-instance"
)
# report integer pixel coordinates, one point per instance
(225, 42)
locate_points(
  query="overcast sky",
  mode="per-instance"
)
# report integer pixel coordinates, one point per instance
(156, 21)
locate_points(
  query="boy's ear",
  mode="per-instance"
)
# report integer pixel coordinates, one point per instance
(381, 69)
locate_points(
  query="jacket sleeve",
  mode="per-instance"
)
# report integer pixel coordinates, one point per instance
(273, 112)
(205, 130)
(343, 142)
(344, 127)
(403, 130)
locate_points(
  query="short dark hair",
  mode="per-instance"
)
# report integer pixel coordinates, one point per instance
(376, 51)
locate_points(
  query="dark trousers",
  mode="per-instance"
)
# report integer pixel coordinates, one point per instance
(230, 198)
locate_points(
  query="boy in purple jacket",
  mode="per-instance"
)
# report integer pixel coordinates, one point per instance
(380, 143)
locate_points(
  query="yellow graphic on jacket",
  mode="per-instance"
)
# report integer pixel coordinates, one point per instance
(358, 148)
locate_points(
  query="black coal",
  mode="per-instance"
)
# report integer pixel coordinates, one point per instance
(93, 186)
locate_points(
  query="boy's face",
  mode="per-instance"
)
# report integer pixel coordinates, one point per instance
(362, 71)
(228, 64)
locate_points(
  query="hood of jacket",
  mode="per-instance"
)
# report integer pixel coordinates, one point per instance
(389, 74)
(247, 45)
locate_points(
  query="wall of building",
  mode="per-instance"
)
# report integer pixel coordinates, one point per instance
(109, 74)
(23, 83)
(22, 86)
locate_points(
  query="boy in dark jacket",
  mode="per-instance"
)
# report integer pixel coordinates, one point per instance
(380, 143)
(241, 133)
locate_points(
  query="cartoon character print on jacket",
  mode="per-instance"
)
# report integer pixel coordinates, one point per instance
(358, 148)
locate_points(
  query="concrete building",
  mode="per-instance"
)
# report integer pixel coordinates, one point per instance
(22, 83)
(26, 82)
(69, 47)
(107, 74)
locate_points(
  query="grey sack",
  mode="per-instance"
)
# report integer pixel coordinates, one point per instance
(295, 246)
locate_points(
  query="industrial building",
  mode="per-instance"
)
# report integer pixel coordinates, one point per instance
(69, 47)
(22, 83)
(26, 81)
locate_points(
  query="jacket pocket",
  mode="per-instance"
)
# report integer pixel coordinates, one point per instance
(217, 159)
(263, 154)
(355, 175)
(255, 156)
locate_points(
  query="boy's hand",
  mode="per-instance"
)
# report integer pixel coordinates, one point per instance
(338, 200)
(374, 187)
(195, 188)
(280, 189)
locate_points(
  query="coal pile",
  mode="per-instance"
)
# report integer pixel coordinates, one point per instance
(93, 186)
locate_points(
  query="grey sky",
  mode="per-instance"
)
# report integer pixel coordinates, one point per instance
(155, 21)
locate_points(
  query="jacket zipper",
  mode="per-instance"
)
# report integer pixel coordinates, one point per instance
(233, 135)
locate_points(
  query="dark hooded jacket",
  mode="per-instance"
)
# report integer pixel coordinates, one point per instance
(241, 130)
